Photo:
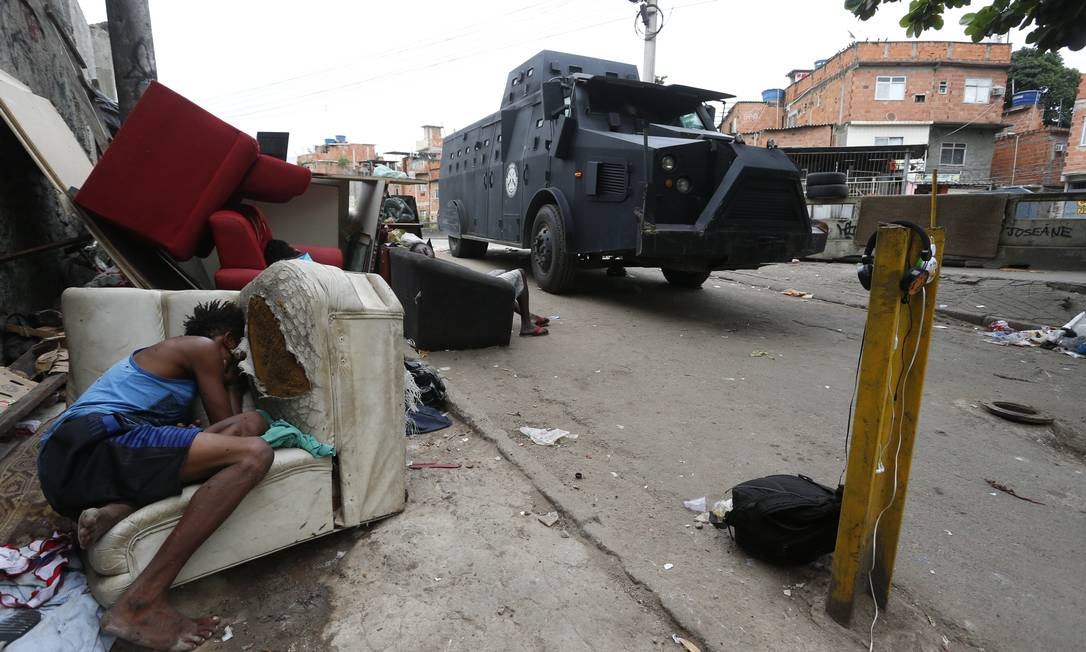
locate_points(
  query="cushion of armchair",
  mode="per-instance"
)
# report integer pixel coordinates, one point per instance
(323, 255)
(234, 278)
(236, 240)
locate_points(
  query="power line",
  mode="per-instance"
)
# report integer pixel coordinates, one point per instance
(300, 98)
(239, 95)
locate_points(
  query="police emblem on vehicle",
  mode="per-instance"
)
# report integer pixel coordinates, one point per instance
(511, 180)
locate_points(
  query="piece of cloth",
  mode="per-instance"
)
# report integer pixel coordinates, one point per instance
(70, 620)
(514, 277)
(283, 434)
(426, 419)
(32, 574)
(142, 397)
(98, 459)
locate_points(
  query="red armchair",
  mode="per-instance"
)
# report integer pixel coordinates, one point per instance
(240, 235)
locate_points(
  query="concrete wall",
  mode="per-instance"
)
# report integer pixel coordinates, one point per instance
(30, 213)
(1055, 243)
(980, 143)
(861, 135)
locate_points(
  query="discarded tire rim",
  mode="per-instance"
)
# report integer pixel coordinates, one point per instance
(1017, 412)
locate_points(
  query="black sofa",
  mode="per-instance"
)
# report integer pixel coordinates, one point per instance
(448, 306)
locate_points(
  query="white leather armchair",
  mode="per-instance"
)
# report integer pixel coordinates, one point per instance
(325, 347)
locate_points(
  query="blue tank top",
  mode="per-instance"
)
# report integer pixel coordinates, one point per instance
(140, 397)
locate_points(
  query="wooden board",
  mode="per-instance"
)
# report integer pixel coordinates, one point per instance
(972, 222)
(13, 387)
(54, 149)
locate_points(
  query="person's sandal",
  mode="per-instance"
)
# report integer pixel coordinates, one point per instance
(535, 332)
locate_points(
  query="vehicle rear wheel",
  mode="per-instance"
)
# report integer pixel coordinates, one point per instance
(684, 279)
(461, 248)
(552, 265)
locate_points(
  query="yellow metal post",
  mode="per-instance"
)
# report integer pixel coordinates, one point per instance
(884, 426)
(934, 194)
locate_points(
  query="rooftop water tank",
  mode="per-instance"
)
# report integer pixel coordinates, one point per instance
(820, 62)
(773, 95)
(329, 141)
(340, 138)
(1026, 98)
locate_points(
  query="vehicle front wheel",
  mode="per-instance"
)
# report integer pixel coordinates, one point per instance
(684, 279)
(552, 265)
(461, 248)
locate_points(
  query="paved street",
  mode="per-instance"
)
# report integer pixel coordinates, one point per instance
(669, 404)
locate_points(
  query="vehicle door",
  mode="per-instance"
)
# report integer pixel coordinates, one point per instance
(516, 139)
(492, 178)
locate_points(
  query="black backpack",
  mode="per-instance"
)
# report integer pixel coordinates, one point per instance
(784, 519)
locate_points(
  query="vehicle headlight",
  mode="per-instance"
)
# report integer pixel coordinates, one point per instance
(682, 184)
(667, 163)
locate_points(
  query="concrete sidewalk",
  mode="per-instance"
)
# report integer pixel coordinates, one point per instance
(1026, 299)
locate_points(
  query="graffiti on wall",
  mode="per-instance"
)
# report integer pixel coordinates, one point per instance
(1062, 231)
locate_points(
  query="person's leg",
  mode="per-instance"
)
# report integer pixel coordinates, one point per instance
(527, 325)
(232, 466)
(246, 424)
(95, 522)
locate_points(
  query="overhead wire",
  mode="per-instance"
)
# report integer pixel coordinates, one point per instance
(415, 46)
(341, 87)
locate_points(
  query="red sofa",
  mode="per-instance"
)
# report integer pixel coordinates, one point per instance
(172, 165)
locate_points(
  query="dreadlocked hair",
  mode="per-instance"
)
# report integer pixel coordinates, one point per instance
(216, 318)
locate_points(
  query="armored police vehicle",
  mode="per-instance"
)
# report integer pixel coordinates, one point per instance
(589, 167)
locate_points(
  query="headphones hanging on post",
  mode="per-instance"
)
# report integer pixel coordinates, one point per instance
(916, 277)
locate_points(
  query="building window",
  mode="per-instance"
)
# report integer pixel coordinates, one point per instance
(977, 91)
(883, 141)
(920, 98)
(1082, 141)
(942, 87)
(952, 154)
(889, 88)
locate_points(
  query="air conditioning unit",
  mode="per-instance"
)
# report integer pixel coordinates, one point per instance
(1061, 147)
(998, 91)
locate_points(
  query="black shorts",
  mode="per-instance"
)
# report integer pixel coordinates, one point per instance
(98, 459)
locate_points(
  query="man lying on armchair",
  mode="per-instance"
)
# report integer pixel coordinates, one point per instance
(123, 445)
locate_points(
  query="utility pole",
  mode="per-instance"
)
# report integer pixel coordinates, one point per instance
(650, 17)
(133, 50)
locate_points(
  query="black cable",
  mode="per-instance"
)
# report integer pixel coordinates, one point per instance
(852, 400)
(659, 28)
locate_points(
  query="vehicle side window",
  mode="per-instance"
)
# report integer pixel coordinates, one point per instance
(691, 121)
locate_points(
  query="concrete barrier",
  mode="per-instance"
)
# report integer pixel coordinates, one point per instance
(1043, 230)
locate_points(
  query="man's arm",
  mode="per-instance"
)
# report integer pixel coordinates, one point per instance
(221, 399)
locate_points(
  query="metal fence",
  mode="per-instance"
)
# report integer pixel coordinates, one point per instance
(868, 170)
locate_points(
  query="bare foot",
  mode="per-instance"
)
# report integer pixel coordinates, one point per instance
(96, 521)
(158, 626)
(533, 331)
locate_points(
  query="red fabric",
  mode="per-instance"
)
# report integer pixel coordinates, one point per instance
(173, 164)
(323, 255)
(237, 241)
(235, 279)
(170, 165)
(273, 180)
(240, 237)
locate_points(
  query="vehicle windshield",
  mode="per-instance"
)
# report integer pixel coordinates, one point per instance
(651, 102)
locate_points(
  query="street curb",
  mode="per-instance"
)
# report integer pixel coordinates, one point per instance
(961, 315)
(565, 500)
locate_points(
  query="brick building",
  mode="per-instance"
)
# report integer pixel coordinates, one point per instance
(1074, 166)
(423, 163)
(751, 118)
(338, 157)
(945, 95)
(1028, 152)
